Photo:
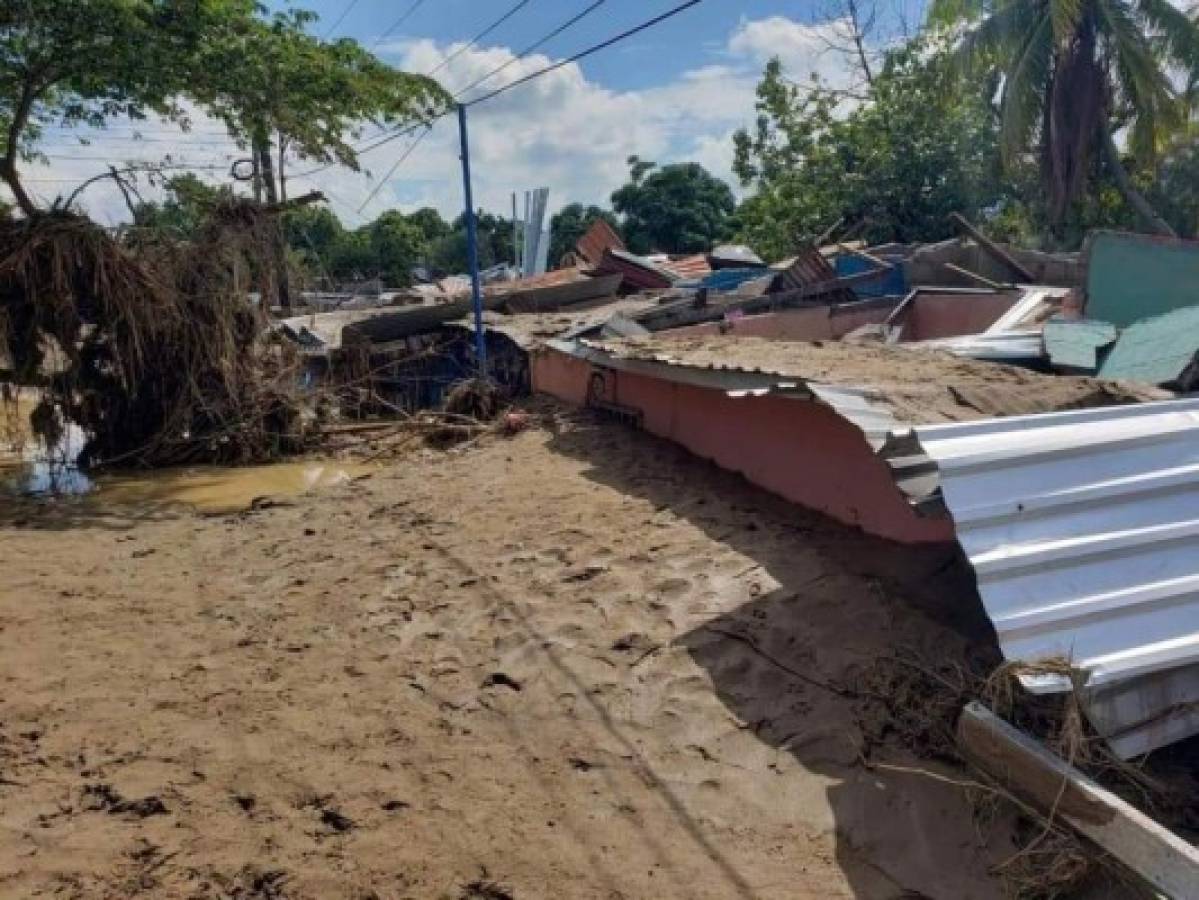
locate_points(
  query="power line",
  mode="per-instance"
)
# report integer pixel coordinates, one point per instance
(399, 162)
(588, 52)
(534, 46)
(182, 139)
(417, 4)
(478, 37)
(345, 12)
(525, 80)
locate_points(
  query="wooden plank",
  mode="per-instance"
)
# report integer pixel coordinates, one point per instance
(992, 248)
(1047, 782)
(995, 285)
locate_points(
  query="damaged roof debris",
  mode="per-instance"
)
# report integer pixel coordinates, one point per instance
(1025, 407)
(1016, 410)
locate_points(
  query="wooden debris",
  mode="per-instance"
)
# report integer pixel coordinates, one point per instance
(1057, 789)
(993, 248)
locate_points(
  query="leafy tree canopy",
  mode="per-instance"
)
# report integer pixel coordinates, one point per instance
(90, 61)
(188, 203)
(1074, 73)
(679, 208)
(921, 145)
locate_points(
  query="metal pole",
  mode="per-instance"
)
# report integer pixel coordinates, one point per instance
(472, 247)
(515, 239)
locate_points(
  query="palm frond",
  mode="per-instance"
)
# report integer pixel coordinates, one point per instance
(1141, 79)
(947, 13)
(1066, 14)
(1175, 31)
(1144, 88)
(1024, 91)
(999, 38)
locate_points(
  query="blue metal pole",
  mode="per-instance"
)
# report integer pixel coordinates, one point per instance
(472, 247)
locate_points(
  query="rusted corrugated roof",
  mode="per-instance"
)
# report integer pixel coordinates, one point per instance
(638, 271)
(689, 266)
(599, 237)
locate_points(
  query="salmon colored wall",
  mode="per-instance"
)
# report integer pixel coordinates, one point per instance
(815, 323)
(933, 316)
(801, 450)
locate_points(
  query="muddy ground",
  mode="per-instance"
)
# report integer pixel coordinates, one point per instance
(576, 663)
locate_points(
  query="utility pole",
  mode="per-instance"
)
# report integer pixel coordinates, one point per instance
(266, 170)
(472, 247)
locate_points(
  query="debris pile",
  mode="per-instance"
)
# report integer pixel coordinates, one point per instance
(156, 351)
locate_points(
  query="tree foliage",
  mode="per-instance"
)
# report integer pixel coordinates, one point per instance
(1074, 73)
(188, 205)
(277, 87)
(679, 208)
(92, 61)
(922, 144)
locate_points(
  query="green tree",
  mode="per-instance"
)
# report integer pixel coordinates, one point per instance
(89, 61)
(495, 244)
(1075, 72)
(919, 145)
(313, 233)
(398, 245)
(432, 226)
(571, 223)
(679, 208)
(282, 90)
(187, 206)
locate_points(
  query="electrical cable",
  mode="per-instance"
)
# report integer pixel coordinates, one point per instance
(534, 46)
(595, 48)
(345, 12)
(417, 4)
(399, 162)
(585, 53)
(478, 37)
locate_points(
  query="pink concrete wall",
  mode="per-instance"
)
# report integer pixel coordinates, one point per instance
(799, 450)
(815, 323)
(929, 317)
(933, 316)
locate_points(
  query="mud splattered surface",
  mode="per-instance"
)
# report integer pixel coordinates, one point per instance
(573, 664)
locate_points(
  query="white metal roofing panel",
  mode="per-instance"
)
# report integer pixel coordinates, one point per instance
(1083, 531)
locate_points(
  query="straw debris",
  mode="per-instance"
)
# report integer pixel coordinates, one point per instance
(151, 346)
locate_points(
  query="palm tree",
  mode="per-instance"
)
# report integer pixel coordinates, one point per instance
(1075, 72)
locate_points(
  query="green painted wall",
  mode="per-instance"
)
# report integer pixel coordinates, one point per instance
(1130, 277)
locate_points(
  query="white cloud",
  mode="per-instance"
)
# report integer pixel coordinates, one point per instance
(803, 49)
(562, 130)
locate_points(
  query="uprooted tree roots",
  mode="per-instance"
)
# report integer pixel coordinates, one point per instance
(154, 350)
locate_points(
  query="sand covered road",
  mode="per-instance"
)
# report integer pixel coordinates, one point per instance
(576, 663)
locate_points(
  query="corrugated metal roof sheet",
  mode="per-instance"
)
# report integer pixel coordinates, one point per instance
(637, 270)
(689, 266)
(1083, 531)
(599, 237)
(809, 268)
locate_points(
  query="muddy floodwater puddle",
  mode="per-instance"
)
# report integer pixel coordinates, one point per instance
(28, 469)
(205, 489)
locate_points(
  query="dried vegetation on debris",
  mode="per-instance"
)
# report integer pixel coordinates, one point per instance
(153, 349)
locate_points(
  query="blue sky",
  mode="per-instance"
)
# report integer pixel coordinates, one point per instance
(653, 57)
(674, 93)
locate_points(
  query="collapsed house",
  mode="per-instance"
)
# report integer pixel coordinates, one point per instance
(863, 382)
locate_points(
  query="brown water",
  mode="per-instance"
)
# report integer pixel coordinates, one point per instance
(28, 470)
(206, 489)
(217, 489)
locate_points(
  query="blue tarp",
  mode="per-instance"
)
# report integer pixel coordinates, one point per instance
(893, 284)
(726, 279)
